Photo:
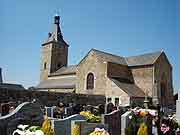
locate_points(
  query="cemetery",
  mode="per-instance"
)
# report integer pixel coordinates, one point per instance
(102, 94)
(80, 119)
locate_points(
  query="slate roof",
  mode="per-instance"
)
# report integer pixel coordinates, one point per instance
(139, 60)
(110, 57)
(145, 59)
(60, 83)
(131, 89)
(65, 71)
(11, 86)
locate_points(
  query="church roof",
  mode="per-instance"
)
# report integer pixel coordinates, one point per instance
(65, 70)
(111, 57)
(60, 83)
(131, 89)
(144, 59)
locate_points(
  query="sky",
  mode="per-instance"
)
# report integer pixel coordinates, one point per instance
(121, 27)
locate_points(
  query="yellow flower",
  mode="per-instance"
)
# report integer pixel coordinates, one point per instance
(75, 129)
(46, 127)
(142, 129)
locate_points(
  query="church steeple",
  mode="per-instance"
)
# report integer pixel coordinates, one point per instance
(54, 51)
(56, 28)
(56, 34)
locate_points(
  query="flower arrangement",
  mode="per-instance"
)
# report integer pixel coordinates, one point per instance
(142, 129)
(75, 129)
(98, 131)
(35, 130)
(91, 117)
(137, 121)
(26, 130)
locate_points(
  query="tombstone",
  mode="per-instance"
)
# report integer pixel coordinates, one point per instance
(113, 120)
(178, 107)
(124, 122)
(50, 111)
(26, 113)
(63, 126)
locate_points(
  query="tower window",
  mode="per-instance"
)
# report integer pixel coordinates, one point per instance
(45, 66)
(90, 81)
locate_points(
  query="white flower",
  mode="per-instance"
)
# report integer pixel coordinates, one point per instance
(39, 132)
(23, 127)
(28, 132)
(19, 132)
(130, 117)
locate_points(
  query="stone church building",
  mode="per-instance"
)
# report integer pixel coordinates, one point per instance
(120, 79)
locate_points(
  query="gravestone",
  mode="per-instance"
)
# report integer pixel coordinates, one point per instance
(113, 120)
(124, 122)
(86, 128)
(178, 107)
(50, 111)
(68, 111)
(26, 113)
(63, 126)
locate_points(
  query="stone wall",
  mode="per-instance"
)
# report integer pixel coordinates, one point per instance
(91, 64)
(113, 91)
(143, 78)
(163, 75)
(50, 98)
(119, 71)
(45, 58)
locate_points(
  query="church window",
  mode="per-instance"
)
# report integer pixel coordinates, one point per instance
(90, 81)
(116, 101)
(45, 64)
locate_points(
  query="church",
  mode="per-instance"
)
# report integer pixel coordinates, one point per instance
(122, 80)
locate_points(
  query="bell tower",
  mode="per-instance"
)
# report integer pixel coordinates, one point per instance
(54, 51)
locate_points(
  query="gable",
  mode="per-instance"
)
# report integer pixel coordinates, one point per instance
(107, 57)
(163, 58)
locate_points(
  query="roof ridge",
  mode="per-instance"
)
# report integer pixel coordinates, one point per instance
(150, 53)
(107, 53)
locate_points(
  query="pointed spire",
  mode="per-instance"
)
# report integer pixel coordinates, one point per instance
(57, 35)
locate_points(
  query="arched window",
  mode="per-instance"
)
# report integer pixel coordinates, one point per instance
(45, 64)
(90, 81)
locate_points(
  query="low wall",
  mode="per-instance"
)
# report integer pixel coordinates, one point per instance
(49, 98)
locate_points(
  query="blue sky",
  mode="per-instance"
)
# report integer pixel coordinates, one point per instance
(122, 27)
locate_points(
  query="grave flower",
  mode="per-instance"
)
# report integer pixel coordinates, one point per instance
(142, 129)
(90, 117)
(99, 131)
(24, 130)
